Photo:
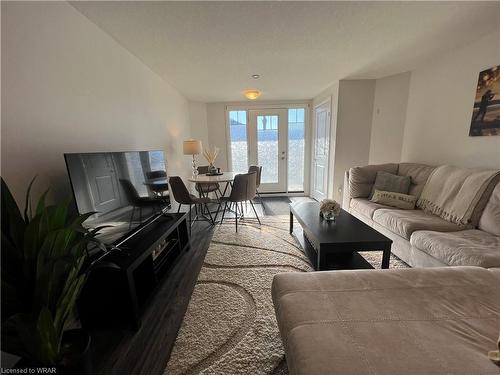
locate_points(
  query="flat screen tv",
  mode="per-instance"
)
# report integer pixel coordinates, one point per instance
(127, 190)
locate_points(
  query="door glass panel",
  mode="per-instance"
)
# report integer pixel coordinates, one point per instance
(239, 146)
(321, 134)
(267, 147)
(296, 147)
(320, 177)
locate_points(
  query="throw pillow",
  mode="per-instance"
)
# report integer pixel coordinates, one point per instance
(389, 198)
(391, 182)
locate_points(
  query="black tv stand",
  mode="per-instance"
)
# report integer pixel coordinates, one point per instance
(121, 283)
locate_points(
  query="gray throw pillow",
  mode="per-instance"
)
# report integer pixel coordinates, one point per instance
(391, 182)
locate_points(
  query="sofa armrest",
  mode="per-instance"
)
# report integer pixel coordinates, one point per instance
(346, 195)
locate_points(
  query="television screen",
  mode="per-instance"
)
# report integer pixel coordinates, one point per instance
(125, 189)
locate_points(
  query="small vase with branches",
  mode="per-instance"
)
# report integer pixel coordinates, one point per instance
(211, 156)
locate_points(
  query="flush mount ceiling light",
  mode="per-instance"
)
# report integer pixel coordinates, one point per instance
(255, 76)
(252, 94)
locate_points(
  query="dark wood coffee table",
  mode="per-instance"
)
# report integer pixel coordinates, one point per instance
(334, 245)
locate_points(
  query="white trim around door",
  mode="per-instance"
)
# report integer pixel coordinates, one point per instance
(243, 122)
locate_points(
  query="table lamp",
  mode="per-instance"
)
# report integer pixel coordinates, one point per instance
(192, 147)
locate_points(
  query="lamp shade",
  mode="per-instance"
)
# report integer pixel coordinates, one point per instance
(192, 147)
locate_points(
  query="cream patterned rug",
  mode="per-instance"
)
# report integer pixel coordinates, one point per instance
(230, 326)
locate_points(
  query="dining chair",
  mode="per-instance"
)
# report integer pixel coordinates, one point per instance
(258, 170)
(205, 189)
(244, 189)
(182, 196)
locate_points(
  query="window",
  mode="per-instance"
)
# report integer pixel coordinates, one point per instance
(296, 149)
(267, 123)
(238, 136)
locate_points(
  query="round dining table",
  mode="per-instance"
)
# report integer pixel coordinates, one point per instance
(206, 179)
(225, 177)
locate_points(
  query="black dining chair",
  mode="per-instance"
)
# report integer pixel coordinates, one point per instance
(258, 170)
(182, 196)
(243, 190)
(205, 189)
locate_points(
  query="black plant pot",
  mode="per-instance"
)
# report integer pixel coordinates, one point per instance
(76, 359)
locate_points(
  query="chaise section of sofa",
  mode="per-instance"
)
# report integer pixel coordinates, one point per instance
(400, 321)
(420, 238)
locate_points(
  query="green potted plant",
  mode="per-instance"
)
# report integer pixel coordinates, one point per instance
(43, 257)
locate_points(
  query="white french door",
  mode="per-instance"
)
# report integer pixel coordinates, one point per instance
(267, 146)
(321, 150)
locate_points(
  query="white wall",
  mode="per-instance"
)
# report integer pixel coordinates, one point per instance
(198, 121)
(216, 123)
(440, 108)
(69, 87)
(354, 118)
(389, 115)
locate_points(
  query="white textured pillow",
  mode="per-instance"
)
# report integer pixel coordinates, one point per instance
(389, 198)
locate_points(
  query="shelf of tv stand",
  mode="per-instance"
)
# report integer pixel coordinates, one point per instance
(121, 284)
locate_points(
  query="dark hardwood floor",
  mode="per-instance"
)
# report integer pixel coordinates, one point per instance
(147, 351)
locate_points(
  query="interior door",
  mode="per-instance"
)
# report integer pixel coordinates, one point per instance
(103, 183)
(321, 147)
(267, 140)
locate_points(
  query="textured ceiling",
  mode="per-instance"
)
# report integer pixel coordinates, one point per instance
(209, 50)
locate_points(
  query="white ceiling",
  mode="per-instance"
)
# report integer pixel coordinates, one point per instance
(209, 50)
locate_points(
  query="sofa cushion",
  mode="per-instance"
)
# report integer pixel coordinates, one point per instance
(391, 182)
(365, 206)
(419, 174)
(361, 179)
(490, 218)
(411, 321)
(405, 222)
(465, 248)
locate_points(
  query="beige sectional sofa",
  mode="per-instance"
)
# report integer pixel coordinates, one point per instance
(399, 321)
(438, 320)
(422, 239)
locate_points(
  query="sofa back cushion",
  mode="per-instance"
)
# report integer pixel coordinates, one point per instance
(361, 179)
(490, 218)
(419, 174)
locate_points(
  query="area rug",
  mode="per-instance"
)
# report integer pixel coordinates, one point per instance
(230, 326)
